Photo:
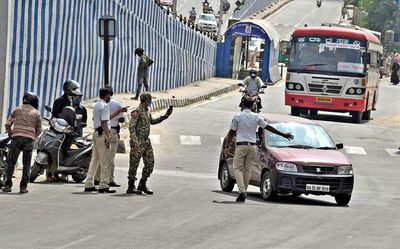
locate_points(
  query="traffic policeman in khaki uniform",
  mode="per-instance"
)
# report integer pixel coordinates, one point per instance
(245, 125)
(139, 128)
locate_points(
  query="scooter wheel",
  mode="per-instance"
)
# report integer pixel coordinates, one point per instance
(78, 178)
(35, 169)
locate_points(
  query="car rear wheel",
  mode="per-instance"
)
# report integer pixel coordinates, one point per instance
(225, 181)
(266, 190)
(342, 199)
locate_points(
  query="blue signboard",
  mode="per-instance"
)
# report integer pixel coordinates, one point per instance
(247, 29)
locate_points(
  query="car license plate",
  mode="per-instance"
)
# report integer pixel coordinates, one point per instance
(323, 100)
(320, 188)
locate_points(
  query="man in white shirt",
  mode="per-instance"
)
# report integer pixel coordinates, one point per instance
(245, 125)
(116, 117)
(101, 154)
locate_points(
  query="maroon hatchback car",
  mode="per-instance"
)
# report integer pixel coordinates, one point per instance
(309, 164)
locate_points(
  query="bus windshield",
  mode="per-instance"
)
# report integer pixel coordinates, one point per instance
(327, 55)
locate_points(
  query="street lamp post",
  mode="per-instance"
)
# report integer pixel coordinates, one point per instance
(107, 30)
(221, 2)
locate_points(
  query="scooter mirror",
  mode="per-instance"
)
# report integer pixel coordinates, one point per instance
(48, 108)
(264, 86)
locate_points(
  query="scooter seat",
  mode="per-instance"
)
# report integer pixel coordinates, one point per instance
(4, 139)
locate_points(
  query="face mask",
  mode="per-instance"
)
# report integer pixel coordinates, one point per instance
(149, 103)
(253, 75)
(77, 102)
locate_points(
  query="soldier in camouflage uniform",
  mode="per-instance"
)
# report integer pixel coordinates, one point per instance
(139, 128)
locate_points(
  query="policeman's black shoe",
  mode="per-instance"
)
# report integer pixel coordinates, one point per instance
(241, 197)
(142, 187)
(114, 184)
(96, 182)
(92, 189)
(23, 190)
(7, 188)
(132, 189)
(107, 190)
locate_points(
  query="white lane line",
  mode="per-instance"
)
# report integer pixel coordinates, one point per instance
(175, 173)
(355, 150)
(222, 140)
(77, 242)
(137, 213)
(190, 140)
(155, 139)
(174, 192)
(393, 152)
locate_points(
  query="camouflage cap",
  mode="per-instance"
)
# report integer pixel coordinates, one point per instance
(145, 96)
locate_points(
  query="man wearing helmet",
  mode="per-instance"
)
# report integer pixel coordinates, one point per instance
(23, 126)
(253, 85)
(71, 88)
(139, 129)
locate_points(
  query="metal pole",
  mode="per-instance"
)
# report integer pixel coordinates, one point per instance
(174, 7)
(106, 67)
(221, 2)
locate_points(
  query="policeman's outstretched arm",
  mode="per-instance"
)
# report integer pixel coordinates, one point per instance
(286, 135)
(158, 120)
(228, 141)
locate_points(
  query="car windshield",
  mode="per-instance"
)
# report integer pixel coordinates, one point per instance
(207, 17)
(306, 136)
(330, 55)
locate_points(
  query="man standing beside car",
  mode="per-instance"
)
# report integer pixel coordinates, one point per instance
(245, 124)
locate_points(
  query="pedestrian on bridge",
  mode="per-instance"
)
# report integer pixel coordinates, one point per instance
(142, 72)
(139, 128)
(244, 125)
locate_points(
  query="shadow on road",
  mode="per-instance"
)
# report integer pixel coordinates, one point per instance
(280, 199)
(333, 118)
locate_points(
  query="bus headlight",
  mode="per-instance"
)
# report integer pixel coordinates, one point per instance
(359, 91)
(290, 86)
(284, 166)
(298, 87)
(294, 86)
(356, 91)
(352, 91)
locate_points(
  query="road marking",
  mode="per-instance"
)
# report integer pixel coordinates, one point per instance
(137, 213)
(355, 150)
(176, 173)
(77, 242)
(190, 140)
(222, 140)
(393, 152)
(155, 139)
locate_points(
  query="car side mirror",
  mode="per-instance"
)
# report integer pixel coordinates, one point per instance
(368, 58)
(339, 146)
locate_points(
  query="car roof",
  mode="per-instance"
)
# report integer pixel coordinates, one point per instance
(281, 118)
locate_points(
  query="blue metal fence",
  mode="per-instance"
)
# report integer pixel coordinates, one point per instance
(52, 41)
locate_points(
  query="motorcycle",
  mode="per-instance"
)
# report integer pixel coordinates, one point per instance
(4, 143)
(255, 97)
(50, 156)
(192, 16)
(319, 3)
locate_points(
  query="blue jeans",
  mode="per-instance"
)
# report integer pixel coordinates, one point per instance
(17, 145)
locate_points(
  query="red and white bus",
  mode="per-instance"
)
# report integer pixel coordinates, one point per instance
(333, 69)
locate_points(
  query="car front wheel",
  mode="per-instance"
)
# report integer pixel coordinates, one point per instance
(225, 181)
(342, 199)
(266, 190)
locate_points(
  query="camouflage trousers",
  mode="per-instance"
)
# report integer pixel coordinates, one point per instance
(145, 152)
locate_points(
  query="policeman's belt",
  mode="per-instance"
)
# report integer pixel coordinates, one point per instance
(117, 128)
(245, 143)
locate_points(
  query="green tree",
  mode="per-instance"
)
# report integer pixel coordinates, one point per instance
(381, 15)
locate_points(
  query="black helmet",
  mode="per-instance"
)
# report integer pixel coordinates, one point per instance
(32, 99)
(71, 87)
(145, 96)
(69, 115)
(252, 71)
